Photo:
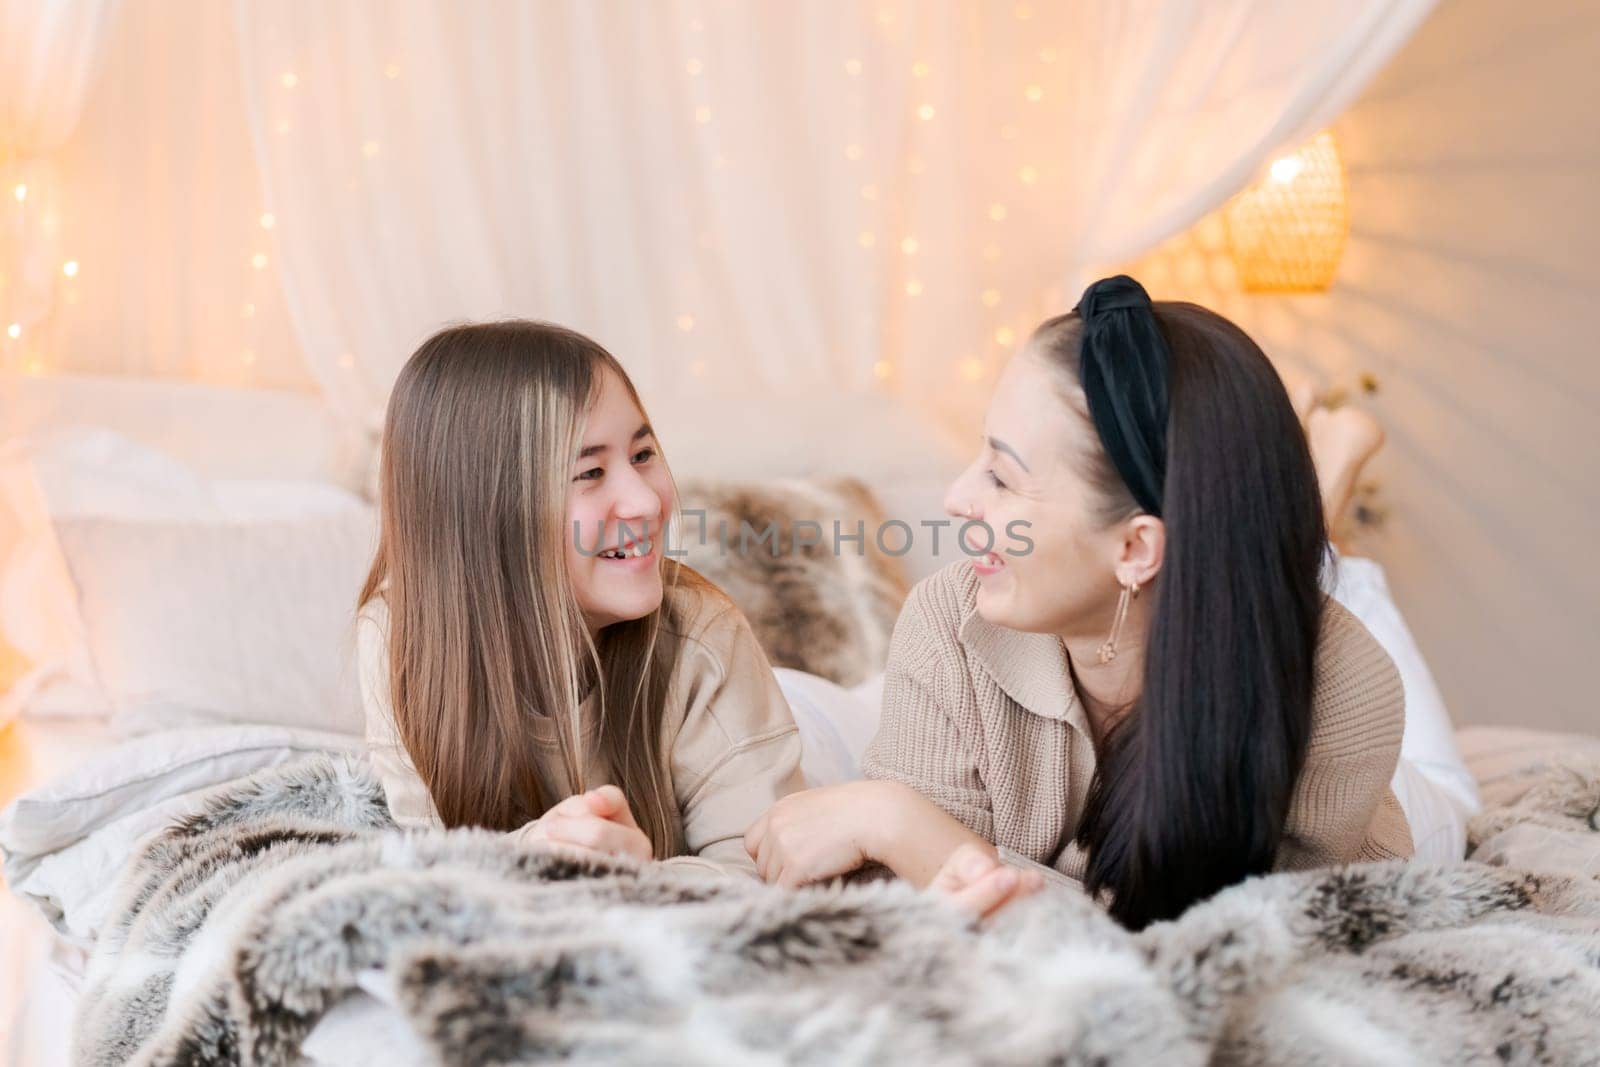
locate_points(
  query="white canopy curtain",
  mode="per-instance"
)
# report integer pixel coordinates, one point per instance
(50, 52)
(761, 195)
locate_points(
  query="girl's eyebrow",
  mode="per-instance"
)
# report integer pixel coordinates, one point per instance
(1000, 446)
(594, 450)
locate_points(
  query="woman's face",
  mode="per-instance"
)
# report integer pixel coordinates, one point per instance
(620, 498)
(1025, 485)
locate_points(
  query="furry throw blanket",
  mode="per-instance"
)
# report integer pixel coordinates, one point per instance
(238, 928)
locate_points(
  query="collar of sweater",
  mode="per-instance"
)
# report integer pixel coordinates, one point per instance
(1031, 669)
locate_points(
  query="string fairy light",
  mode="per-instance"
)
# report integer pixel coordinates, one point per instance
(70, 268)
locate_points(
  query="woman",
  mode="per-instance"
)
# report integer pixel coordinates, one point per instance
(1157, 699)
(530, 659)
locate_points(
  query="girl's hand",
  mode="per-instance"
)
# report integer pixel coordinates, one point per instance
(597, 821)
(818, 834)
(975, 880)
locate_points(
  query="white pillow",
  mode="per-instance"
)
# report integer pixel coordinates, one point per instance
(76, 471)
(835, 724)
(64, 842)
(224, 622)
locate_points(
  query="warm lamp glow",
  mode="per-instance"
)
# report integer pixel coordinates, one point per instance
(1287, 233)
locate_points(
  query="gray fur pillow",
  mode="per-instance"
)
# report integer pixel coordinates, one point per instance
(812, 608)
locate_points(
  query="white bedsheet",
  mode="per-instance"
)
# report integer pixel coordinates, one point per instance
(38, 969)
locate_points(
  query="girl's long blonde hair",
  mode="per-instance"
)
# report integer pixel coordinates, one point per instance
(484, 630)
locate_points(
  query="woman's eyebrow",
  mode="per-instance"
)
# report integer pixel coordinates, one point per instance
(1000, 446)
(642, 432)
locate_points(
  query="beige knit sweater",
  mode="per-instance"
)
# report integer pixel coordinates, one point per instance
(733, 747)
(985, 722)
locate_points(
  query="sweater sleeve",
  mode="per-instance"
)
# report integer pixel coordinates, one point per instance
(409, 802)
(738, 749)
(1343, 808)
(929, 710)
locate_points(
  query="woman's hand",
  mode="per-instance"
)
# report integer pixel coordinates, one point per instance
(596, 821)
(975, 880)
(819, 833)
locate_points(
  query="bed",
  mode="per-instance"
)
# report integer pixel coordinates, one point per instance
(109, 486)
(149, 699)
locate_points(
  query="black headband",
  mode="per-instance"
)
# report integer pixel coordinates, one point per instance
(1123, 369)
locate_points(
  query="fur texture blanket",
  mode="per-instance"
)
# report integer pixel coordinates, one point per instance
(238, 928)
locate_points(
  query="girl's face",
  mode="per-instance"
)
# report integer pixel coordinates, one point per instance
(1027, 473)
(620, 498)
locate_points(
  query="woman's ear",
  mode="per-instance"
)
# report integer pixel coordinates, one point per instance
(1144, 547)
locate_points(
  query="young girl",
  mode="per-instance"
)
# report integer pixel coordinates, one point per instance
(1158, 700)
(530, 659)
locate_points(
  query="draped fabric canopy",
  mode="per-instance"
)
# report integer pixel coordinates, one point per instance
(50, 53)
(749, 197)
(766, 195)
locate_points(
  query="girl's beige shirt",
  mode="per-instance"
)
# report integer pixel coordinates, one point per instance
(985, 722)
(733, 746)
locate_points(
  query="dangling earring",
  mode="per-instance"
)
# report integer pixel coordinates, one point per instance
(1108, 651)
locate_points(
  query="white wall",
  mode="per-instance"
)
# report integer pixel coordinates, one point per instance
(1469, 289)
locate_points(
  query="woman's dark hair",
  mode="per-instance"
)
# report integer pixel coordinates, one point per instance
(1193, 785)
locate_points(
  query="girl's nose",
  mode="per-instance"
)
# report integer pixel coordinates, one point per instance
(636, 500)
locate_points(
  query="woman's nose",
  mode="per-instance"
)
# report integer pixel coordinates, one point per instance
(960, 501)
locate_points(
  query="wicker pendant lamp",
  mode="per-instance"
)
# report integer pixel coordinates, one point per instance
(1287, 232)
